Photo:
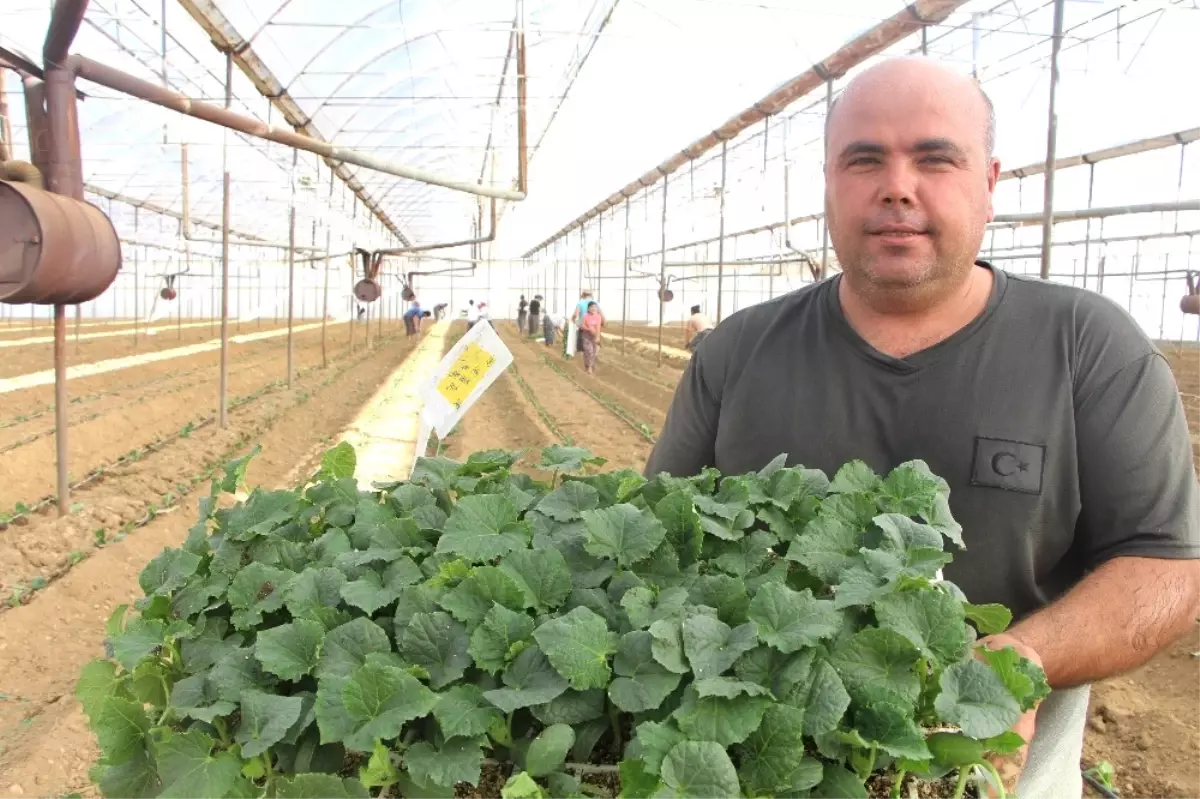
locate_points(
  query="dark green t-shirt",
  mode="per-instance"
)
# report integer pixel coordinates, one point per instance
(1053, 418)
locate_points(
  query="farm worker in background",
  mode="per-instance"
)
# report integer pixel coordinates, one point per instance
(580, 311)
(549, 326)
(412, 319)
(439, 311)
(535, 313)
(1052, 416)
(695, 329)
(522, 312)
(589, 329)
(472, 314)
(484, 314)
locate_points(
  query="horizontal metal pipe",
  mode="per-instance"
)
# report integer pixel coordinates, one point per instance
(909, 20)
(448, 245)
(1036, 218)
(1121, 150)
(128, 84)
(758, 262)
(154, 208)
(1035, 250)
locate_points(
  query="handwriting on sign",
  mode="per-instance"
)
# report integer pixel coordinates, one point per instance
(462, 378)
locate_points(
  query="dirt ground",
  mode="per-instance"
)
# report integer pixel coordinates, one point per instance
(1147, 724)
(45, 746)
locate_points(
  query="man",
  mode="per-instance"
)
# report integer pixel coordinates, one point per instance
(1056, 423)
(535, 313)
(472, 314)
(696, 329)
(522, 312)
(412, 319)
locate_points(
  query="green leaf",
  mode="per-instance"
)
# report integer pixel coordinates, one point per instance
(121, 728)
(933, 621)
(643, 607)
(623, 533)
(379, 770)
(825, 547)
(168, 572)
(266, 719)
(458, 760)
(521, 786)
(416, 599)
(557, 458)
(530, 680)
(548, 751)
(654, 740)
(1020, 682)
(878, 665)
(237, 671)
(954, 749)
(773, 757)
(568, 501)
(729, 501)
(471, 599)
(346, 647)
(854, 476)
(823, 697)
(291, 650)
(910, 489)
(572, 707)
(578, 644)
(495, 636)
(637, 781)
(642, 683)
(438, 643)
(715, 718)
(712, 646)
(775, 671)
(136, 778)
(790, 620)
(989, 619)
(189, 768)
(700, 769)
(837, 781)
(339, 462)
(892, 729)
(319, 786)
(194, 697)
(257, 589)
(677, 512)
(489, 461)
(974, 697)
(97, 682)
(463, 712)
(482, 528)
(726, 594)
(742, 557)
(260, 514)
(139, 639)
(235, 472)
(367, 593)
(380, 698)
(542, 575)
(729, 688)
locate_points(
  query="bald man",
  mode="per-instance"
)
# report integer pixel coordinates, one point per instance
(1053, 418)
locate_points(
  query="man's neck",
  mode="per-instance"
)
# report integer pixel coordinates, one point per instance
(902, 328)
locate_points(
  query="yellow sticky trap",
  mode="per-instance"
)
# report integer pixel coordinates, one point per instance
(466, 373)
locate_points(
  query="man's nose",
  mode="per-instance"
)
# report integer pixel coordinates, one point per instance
(899, 185)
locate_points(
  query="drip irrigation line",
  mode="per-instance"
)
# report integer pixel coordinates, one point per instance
(1100, 787)
(613, 407)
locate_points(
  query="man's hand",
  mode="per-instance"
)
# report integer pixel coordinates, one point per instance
(1011, 766)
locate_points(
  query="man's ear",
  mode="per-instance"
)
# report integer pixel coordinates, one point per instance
(993, 177)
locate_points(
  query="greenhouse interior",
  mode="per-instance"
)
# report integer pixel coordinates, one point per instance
(253, 251)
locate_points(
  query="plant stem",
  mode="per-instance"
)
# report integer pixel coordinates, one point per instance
(219, 723)
(900, 774)
(614, 718)
(266, 758)
(988, 767)
(959, 787)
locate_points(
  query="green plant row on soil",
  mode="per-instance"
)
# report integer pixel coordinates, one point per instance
(475, 632)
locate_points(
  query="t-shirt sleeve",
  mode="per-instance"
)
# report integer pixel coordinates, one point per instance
(1138, 486)
(687, 443)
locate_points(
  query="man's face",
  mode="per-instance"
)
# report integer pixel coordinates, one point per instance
(908, 181)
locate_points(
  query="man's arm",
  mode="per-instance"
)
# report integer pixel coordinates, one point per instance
(1138, 533)
(1114, 620)
(688, 440)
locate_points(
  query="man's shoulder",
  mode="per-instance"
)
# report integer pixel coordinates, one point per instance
(1103, 336)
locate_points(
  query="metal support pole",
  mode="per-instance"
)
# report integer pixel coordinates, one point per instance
(136, 302)
(625, 282)
(223, 397)
(721, 235)
(662, 274)
(78, 321)
(1087, 236)
(1051, 141)
(292, 272)
(60, 407)
(825, 220)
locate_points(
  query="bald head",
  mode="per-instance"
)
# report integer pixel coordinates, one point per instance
(919, 71)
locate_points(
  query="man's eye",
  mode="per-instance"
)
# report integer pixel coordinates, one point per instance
(863, 160)
(936, 159)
